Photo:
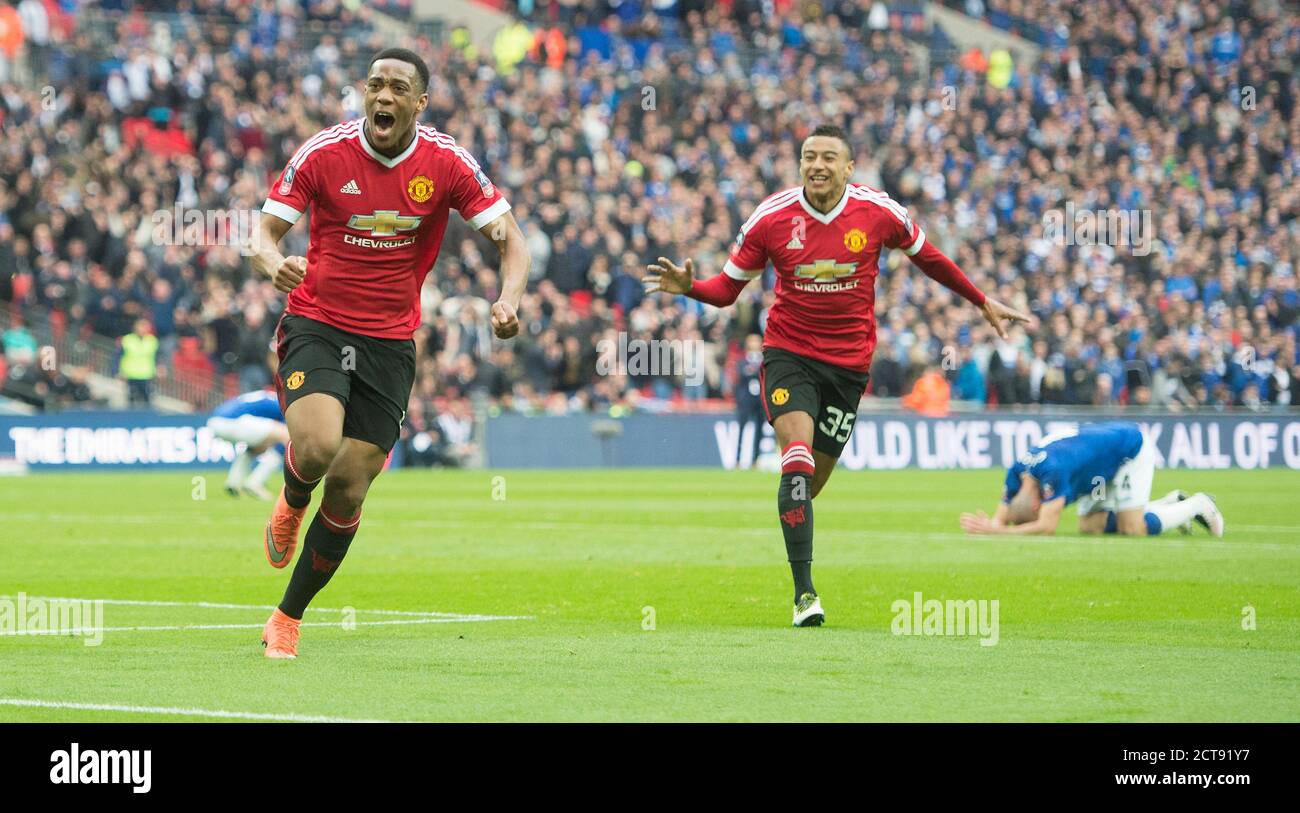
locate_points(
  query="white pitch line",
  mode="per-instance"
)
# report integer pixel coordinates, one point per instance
(180, 712)
(216, 606)
(92, 631)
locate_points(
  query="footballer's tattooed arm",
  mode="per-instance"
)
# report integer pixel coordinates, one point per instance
(286, 272)
(515, 262)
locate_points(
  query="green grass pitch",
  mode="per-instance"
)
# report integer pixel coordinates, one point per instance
(1091, 629)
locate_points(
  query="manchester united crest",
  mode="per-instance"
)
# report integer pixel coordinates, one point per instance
(420, 188)
(855, 240)
(294, 381)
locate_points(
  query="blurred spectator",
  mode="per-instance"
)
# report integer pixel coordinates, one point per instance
(11, 41)
(749, 399)
(423, 443)
(930, 395)
(138, 363)
(970, 384)
(19, 344)
(193, 368)
(457, 426)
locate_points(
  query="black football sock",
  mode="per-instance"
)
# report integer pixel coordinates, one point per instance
(297, 491)
(794, 504)
(325, 546)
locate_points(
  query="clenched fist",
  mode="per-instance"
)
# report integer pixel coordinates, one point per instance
(290, 273)
(505, 323)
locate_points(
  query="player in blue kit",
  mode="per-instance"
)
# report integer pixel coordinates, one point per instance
(253, 422)
(1108, 469)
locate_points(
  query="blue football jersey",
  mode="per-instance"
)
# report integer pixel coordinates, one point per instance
(262, 403)
(1067, 464)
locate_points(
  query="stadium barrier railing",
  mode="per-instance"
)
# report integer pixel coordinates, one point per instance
(63, 346)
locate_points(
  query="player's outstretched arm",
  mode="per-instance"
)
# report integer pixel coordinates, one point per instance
(1049, 517)
(263, 249)
(515, 261)
(668, 277)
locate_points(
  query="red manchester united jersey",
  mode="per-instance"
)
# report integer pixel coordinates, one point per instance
(826, 267)
(377, 223)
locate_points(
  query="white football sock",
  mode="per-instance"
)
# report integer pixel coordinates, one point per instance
(1176, 514)
(267, 464)
(1171, 497)
(239, 469)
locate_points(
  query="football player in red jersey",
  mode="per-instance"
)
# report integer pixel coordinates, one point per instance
(824, 239)
(380, 189)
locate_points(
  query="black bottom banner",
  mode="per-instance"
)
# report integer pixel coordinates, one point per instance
(218, 761)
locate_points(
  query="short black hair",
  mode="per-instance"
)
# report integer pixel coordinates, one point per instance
(405, 55)
(832, 131)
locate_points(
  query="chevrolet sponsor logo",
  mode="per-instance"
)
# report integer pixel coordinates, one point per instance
(369, 242)
(824, 270)
(383, 223)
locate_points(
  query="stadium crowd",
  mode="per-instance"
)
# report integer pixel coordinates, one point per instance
(642, 134)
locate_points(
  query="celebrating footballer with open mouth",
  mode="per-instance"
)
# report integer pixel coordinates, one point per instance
(380, 189)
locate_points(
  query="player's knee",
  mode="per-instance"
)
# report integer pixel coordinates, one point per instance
(315, 453)
(345, 493)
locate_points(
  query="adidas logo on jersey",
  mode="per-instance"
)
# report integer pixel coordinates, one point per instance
(351, 188)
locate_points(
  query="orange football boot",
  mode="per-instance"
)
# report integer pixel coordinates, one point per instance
(280, 636)
(282, 532)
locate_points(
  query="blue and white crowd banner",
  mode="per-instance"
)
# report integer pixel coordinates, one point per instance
(84, 440)
(882, 440)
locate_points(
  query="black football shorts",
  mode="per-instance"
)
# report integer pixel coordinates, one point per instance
(830, 394)
(372, 377)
